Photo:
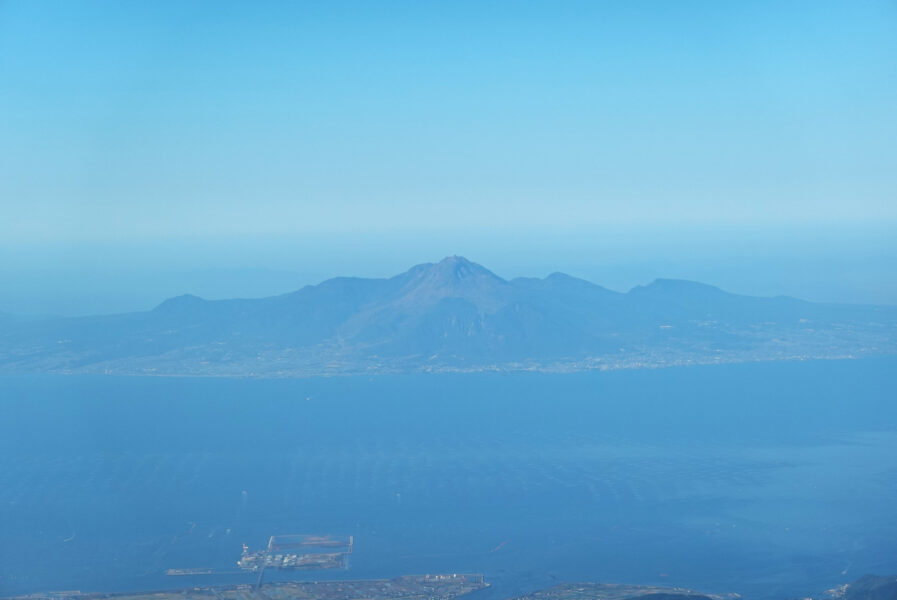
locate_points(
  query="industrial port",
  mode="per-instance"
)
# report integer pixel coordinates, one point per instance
(289, 552)
(299, 552)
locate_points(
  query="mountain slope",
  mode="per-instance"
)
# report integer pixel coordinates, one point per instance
(454, 314)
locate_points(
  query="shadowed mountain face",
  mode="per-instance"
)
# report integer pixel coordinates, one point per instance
(454, 314)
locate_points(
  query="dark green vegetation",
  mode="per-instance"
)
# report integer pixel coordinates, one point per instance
(602, 591)
(869, 587)
(453, 315)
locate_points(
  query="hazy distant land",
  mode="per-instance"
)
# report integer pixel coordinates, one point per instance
(454, 315)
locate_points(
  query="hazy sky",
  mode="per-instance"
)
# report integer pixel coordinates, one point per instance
(124, 122)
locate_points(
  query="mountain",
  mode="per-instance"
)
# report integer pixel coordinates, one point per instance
(450, 315)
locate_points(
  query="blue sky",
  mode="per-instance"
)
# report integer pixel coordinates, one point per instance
(154, 122)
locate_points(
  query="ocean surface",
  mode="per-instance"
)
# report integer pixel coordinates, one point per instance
(772, 480)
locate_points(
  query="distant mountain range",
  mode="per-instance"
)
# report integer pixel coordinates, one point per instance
(451, 315)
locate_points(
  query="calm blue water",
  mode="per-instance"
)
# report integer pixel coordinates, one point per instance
(772, 480)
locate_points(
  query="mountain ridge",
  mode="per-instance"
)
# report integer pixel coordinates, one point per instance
(450, 315)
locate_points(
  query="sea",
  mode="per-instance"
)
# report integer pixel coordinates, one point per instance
(769, 480)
